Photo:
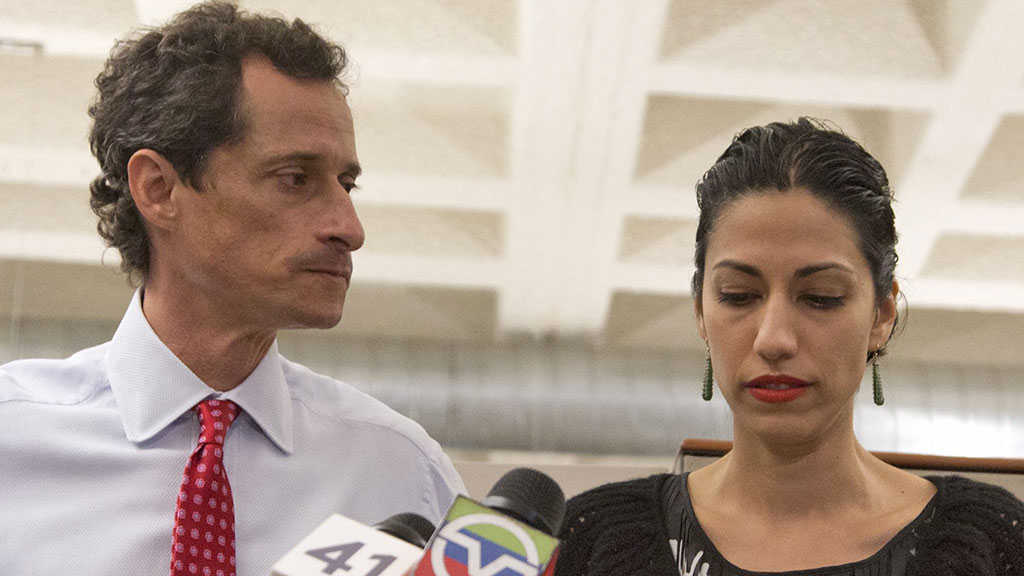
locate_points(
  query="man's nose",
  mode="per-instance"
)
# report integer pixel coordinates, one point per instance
(343, 223)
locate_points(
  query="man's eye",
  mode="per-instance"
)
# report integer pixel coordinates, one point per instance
(348, 185)
(736, 298)
(294, 179)
(823, 302)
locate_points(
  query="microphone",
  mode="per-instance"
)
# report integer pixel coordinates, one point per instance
(409, 527)
(345, 547)
(509, 532)
(529, 496)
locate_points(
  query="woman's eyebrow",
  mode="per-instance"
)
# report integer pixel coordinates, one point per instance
(801, 273)
(815, 268)
(739, 267)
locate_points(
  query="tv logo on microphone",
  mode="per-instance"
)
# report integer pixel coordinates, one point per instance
(477, 541)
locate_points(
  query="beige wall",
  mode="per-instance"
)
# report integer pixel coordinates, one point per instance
(573, 473)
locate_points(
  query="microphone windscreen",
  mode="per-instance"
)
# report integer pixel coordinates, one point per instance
(410, 527)
(529, 496)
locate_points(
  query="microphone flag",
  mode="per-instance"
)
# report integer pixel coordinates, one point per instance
(474, 540)
(344, 547)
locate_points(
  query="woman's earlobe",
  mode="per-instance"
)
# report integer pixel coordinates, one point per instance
(887, 316)
(699, 315)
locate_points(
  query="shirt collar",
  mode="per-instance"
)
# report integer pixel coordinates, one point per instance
(153, 388)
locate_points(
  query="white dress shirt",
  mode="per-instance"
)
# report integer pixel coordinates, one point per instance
(92, 449)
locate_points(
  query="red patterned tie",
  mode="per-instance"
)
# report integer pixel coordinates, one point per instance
(204, 523)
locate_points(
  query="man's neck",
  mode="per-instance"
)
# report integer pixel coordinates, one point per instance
(220, 352)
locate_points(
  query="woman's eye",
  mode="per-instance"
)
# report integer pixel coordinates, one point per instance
(736, 298)
(823, 302)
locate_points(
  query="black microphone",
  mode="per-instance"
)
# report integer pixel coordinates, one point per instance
(529, 496)
(509, 532)
(409, 527)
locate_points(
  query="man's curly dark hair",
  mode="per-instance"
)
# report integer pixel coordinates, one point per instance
(177, 90)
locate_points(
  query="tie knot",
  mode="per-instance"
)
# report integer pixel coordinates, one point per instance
(215, 417)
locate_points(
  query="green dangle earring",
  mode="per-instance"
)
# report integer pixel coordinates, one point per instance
(876, 380)
(708, 389)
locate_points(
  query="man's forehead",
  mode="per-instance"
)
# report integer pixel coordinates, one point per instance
(275, 104)
(263, 85)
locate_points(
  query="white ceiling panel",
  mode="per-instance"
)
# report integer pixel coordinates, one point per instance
(530, 163)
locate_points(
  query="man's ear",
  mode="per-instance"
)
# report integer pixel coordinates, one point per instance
(885, 318)
(151, 179)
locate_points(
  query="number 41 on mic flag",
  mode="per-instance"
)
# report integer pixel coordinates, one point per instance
(344, 547)
(474, 540)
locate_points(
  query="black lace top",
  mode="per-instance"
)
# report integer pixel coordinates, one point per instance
(968, 529)
(695, 553)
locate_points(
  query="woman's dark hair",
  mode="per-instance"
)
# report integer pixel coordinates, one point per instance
(177, 90)
(809, 155)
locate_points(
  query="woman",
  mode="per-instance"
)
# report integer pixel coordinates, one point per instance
(793, 291)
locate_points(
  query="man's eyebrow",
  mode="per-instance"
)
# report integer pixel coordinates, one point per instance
(352, 169)
(307, 157)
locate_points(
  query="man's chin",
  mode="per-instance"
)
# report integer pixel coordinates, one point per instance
(322, 318)
(326, 321)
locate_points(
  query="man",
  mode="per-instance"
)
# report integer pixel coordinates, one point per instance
(227, 153)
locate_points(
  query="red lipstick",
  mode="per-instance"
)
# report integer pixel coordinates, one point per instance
(776, 388)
